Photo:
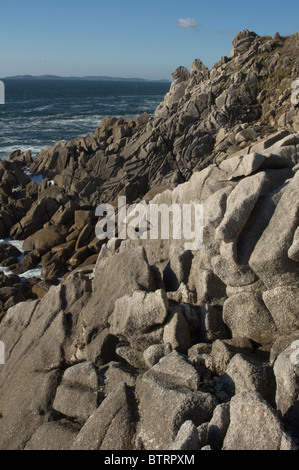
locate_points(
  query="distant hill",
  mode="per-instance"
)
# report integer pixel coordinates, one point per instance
(90, 78)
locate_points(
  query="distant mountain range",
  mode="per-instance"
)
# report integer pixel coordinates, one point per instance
(90, 78)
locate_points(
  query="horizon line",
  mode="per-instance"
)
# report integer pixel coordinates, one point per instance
(85, 77)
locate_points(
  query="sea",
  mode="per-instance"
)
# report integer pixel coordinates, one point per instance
(40, 112)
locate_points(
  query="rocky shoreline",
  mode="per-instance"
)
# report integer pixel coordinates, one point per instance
(141, 344)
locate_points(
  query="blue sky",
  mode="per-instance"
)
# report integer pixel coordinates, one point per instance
(129, 38)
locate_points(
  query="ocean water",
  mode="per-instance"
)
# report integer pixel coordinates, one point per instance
(39, 113)
(35, 272)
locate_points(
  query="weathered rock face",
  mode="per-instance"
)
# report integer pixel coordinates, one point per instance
(206, 116)
(34, 334)
(155, 344)
(263, 429)
(124, 339)
(173, 399)
(111, 426)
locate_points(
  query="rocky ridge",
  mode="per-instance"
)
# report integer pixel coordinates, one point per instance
(144, 344)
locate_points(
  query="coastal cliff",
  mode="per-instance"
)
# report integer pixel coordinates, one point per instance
(138, 344)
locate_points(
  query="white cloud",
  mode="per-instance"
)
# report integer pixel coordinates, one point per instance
(188, 23)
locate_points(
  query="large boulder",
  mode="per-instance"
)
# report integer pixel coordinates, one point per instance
(218, 426)
(255, 425)
(270, 260)
(40, 213)
(111, 426)
(246, 315)
(113, 279)
(186, 439)
(45, 239)
(164, 392)
(53, 436)
(286, 370)
(283, 304)
(244, 373)
(240, 204)
(77, 394)
(135, 316)
(36, 336)
(242, 41)
(176, 331)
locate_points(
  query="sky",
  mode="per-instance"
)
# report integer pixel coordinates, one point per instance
(129, 38)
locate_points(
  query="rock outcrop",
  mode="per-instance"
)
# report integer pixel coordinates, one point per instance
(138, 344)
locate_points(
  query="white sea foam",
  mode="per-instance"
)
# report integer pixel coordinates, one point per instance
(17, 243)
(35, 272)
(75, 120)
(7, 150)
(43, 108)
